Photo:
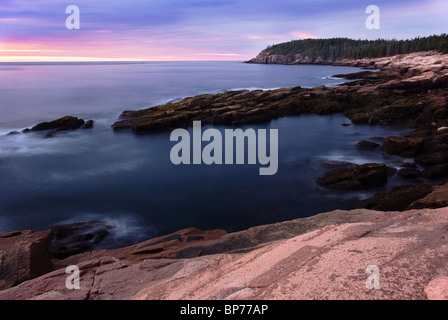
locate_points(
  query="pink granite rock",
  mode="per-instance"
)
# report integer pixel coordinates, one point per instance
(408, 250)
(23, 256)
(437, 289)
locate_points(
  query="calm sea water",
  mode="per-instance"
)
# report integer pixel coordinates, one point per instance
(129, 181)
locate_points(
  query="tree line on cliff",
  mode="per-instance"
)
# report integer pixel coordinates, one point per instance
(344, 48)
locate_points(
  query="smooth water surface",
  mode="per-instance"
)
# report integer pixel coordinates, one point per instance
(129, 181)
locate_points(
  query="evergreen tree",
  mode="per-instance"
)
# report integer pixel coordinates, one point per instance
(344, 48)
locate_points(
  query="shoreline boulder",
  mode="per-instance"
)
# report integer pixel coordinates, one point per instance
(61, 124)
(361, 177)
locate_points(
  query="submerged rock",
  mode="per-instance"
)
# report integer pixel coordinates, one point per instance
(13, 133)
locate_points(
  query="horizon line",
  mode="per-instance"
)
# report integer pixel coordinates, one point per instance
(111, 62)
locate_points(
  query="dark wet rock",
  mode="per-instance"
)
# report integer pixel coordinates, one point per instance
(431, 159)
(436, 199)
(78, 237)
(397, 199)
(408, 165)
(437, 171)
(190, 242)
(333, 164)
(356, 75)
(362, 177)
(61, 124)
(441, 113)
(13, 133)
(435, 142)
(49, 134)
(409, 173)
(360, 117)
(405, 147)
(88, 124)
(195, 238)
(367, 145)
(396, 113)
(391, 171)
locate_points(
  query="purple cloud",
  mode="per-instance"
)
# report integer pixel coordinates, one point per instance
(235, 29)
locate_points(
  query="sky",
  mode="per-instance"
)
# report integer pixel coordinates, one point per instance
(198, 30)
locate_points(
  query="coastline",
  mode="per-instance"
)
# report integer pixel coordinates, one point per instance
(408, 89)
(322, 257)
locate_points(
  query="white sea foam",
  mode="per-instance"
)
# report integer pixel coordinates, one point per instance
(26, 144)
(391, 161)
(346, 158)
(124, 228)
(36, 143)
(178, 99)
(329, 78)
(99, 171)
(254, 89)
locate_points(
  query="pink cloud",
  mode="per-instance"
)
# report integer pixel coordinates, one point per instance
(302, 35)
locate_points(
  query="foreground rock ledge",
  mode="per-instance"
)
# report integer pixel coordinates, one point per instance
(410, 249)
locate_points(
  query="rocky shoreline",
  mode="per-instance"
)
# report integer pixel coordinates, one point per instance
(321, 257)
(407, 89)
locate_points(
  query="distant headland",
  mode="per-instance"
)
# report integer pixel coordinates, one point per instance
(334, 50)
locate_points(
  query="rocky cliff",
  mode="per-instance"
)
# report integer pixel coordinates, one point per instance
(265, 57)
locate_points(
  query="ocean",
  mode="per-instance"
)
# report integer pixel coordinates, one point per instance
(129, 181)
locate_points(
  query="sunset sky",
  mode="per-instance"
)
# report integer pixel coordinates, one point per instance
(34, 30)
